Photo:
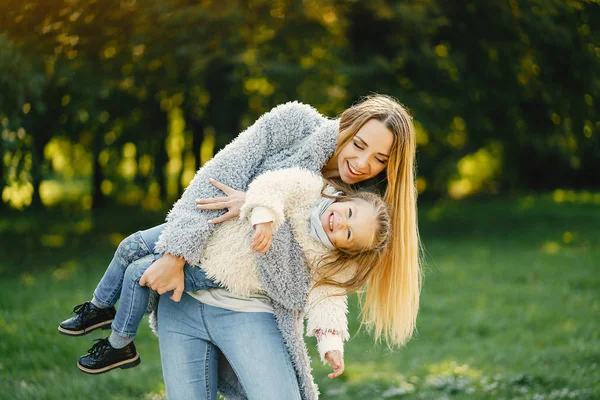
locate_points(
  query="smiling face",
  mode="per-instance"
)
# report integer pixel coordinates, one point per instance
(350, 224)
(366, 154)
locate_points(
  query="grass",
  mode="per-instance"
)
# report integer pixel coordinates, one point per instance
(510, 308)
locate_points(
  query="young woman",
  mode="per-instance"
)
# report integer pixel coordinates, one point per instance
(262, 353)
(334, 229)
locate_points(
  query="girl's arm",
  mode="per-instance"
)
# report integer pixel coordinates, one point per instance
(273, 193)
(187, 227)
(327, 310)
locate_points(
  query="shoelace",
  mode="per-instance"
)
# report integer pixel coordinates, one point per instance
(99, 347)
(82, 309)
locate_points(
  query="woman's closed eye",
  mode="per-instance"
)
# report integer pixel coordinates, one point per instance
(349, 234)
(357, 145)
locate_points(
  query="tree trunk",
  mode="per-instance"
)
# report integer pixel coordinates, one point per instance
(37, 160)
(160, 162)
(2, 178)
(98, 198)
(160, 123)
(197, 128)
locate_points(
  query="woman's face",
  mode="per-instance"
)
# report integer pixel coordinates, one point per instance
(367, 154)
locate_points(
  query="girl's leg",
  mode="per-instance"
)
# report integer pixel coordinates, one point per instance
(118, 351)
(100, 312)
(133, 301)
(132, 248)
(253, 345)
(195, 279)
(150, 236)
(189, 359)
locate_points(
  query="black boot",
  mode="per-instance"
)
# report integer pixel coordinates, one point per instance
(102, 357)
(87, 318)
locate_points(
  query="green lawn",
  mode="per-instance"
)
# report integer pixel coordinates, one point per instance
(510, 308)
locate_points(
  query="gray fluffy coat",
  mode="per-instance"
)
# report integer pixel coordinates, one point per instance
(290, 135)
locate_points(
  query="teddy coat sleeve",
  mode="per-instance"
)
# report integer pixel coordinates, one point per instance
(280, 191)
(327, 310)
(327, 319)
(236, 165)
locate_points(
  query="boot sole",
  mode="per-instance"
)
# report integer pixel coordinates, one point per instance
(125, 364)
(102, 325)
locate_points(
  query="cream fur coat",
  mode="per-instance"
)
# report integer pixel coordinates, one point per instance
(288, 194)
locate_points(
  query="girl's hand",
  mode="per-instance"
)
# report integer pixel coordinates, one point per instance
(164, 275)
(263, 237)
(336, 360)
(233, 202)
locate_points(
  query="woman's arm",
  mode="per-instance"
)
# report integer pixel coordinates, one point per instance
(187, 227)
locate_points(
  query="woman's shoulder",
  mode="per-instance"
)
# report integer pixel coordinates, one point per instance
(296, 111)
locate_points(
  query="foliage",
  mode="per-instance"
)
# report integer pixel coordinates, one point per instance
(509, 87)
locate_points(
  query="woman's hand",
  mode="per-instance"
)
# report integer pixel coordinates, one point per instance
(233, 202)
(164, 275)
(336, 360)
(263, 237)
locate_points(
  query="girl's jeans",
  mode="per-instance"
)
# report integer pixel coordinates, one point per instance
(121, 280)
(192, 335)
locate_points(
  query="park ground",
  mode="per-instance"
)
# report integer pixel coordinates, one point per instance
(510, 307)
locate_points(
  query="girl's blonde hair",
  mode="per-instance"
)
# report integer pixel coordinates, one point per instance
(390, 302)
(355, 265)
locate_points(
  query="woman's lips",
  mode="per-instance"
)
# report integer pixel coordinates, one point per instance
(353, 172)
(331, 222)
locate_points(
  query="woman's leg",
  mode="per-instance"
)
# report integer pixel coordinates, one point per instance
(189, 359)
(132, 248)
(254, 347)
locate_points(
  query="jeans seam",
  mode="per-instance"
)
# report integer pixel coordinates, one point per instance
(206, 372)
(144, 242)
(130, 311)
(224, 355)
(112, 297)
(137, 236)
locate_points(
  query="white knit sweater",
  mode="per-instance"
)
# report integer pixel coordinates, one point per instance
(288, 194)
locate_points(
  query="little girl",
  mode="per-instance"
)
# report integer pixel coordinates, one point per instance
(334, 231)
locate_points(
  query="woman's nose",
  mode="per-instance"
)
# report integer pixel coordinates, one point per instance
(362, 164)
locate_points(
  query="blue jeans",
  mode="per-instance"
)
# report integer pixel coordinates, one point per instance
(190, 336)
(121, 280)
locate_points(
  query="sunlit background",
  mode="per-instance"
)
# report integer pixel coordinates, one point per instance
(107, 109)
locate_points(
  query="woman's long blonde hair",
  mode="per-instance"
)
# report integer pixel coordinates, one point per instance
(390, 302)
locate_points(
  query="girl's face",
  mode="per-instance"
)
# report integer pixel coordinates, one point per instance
(350, 224)
(367, 154)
